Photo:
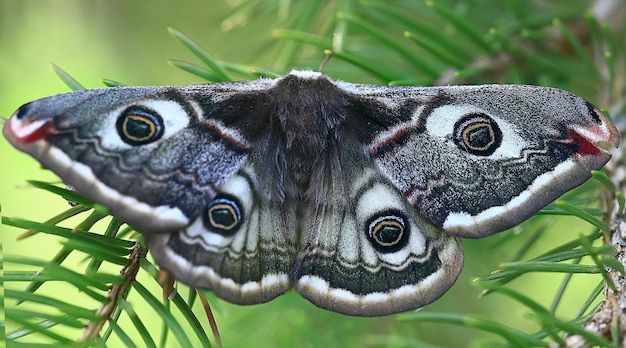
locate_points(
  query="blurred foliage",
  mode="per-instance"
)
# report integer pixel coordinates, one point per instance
(543, 278)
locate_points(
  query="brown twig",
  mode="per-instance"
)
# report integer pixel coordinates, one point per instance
(92, 330)
(211, 318)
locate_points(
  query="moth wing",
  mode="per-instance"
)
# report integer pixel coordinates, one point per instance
(155, 156)
(158, 157)
(363, 250)
(241, 247)
(477, 160)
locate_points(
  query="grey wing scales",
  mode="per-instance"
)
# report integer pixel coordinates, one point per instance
(477, 160)
(153, 155)
(242, 246)
(364, 251)
(174, 162)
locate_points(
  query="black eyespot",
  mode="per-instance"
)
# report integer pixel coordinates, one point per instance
(223, 215)
(388, 231)
(138, 125)
(477, 134)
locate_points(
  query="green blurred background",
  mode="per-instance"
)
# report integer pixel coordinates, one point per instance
(127, 41)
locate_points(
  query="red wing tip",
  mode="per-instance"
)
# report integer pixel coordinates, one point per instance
(595, 140)
(26, 132)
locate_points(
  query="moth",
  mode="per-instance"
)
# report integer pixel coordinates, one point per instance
(354, 195)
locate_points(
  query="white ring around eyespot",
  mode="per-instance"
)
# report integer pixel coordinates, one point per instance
(441, 121)
(175, 118)
(237, 186)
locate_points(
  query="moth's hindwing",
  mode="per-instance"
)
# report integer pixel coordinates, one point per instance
(241, 246)
(364, 251)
